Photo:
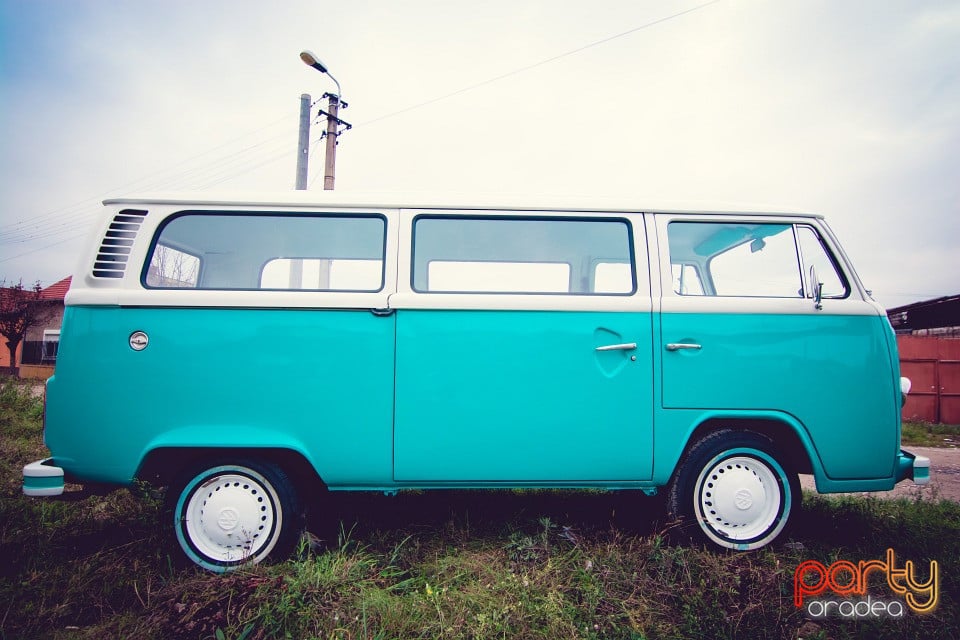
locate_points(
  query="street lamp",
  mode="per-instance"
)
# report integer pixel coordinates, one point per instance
(313, 61)
(333, 122)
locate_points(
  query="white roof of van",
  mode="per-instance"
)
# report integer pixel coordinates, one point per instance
(419, 200)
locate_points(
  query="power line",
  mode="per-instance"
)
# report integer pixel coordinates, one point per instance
(19, 232)
(230, 176)
(541, 63)
(235, 164)
(26, 253)
(67, 211)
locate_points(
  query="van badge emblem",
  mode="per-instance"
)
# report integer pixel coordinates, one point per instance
(228, 519)
(743, 499)
(139, 341)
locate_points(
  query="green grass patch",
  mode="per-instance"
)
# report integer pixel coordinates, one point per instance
(498, 564)
(21, 422)
(925, 434)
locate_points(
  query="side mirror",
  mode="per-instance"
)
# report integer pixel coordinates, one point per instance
(817, 286)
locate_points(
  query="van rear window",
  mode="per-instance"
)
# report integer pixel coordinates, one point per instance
(307, 252)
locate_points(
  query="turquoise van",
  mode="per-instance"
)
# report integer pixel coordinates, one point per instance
(251, 355)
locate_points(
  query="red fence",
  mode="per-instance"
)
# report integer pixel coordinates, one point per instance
(933, 365)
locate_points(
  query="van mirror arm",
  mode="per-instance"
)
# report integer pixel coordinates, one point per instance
(817, 289)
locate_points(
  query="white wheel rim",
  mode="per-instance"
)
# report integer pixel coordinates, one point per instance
(232, 517)
(737, 499)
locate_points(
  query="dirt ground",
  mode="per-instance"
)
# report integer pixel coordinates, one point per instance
(944, 477)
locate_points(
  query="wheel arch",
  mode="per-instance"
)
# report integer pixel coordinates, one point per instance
(788, 436)
(162, 465)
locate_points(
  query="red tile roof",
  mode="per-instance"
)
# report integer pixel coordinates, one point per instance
(56, 291)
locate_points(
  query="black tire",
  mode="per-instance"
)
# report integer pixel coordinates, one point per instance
(222, 516)
(734, 490)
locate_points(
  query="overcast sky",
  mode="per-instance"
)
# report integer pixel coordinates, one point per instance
(846, 108)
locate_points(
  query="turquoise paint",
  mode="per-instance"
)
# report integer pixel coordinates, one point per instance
(522, 397)
(675, 428)
(920, 474)
(45, 482)
(830, 372)
(320, 381)
(890, 336)
(485, 398)
(906, 468)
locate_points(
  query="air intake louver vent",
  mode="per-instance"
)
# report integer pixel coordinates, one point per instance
(115, 248)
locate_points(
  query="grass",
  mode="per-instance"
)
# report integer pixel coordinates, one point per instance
(444, 565)
(925, 434)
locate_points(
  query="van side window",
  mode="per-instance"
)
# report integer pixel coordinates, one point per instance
(242, 251)
(815, 254)
(522, 255)
(734, 259)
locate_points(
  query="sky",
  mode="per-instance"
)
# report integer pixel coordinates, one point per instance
(848, 108)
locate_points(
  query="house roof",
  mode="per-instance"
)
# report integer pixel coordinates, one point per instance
(56, 291)
(930, 314)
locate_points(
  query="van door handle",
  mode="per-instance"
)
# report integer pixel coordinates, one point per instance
(626, 346)
(676, 346)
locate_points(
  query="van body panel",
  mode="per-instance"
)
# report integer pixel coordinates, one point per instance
(523, 396)
(831, 372)
(318, 379)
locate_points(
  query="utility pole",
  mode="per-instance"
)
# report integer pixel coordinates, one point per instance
(335, 102)
(303, 159)
(330, 159)
(303, 143)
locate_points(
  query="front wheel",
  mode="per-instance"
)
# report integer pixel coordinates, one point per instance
(735, 487)
(225, 516)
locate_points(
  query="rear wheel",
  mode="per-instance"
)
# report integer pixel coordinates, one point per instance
(733, 489)
(224, 516)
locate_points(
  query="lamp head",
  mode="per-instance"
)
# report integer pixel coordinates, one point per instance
(311, 60)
